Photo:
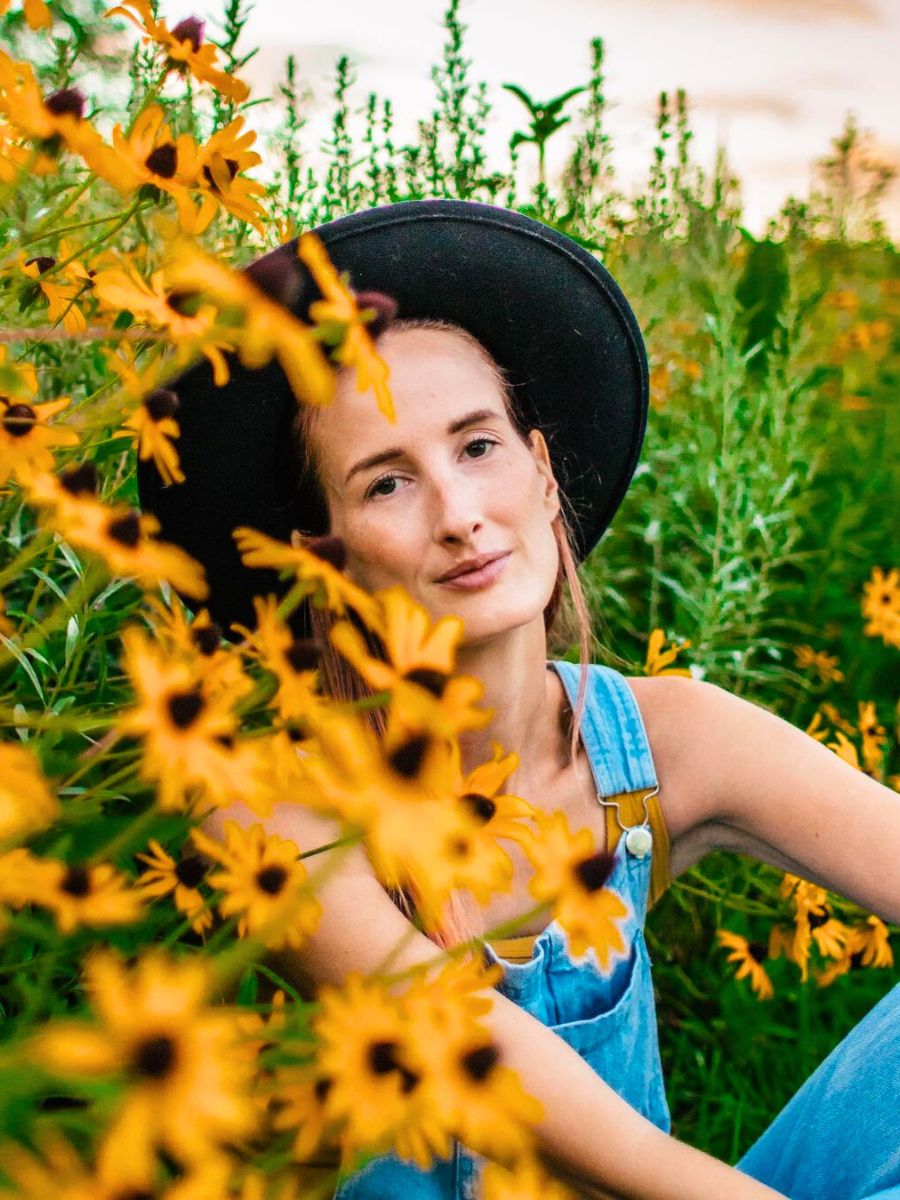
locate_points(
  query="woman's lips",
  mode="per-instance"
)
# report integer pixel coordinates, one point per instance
(471, 580)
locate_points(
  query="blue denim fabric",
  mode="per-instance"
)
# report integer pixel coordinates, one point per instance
(837, 1139)
(609, 1016)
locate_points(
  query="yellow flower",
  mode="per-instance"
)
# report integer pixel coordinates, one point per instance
(51, 122)
(27, 805)
(260, 326)
(188, 733)
(26, 437)
(181, 879)
(657, 661)
(881, 605)
(55, 1171)
(825, 665)
(62, 289)
(867, 945)
(293, 661)
(373, 1072)
(76, 894)
(264, 882)
(751, 956)
(339, 312)
(161, 305)
(813, 922)
(845, 749)
(571, 873)
(184, 46)
(316, 563)
(200, 643)
(873, 735)
(218, 167)
(188, 1085)
(415, 662)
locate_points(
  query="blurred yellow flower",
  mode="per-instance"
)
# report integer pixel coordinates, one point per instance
(27, 804)
(658, 660)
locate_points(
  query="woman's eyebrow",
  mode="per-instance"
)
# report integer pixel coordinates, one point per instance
(383, 456)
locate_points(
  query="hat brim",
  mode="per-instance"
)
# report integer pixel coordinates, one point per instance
(548, 311)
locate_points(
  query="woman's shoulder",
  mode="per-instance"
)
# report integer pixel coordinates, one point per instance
(669, 705)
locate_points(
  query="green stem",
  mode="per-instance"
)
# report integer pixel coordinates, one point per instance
(64, 229)
(57, 616)
(59, 210)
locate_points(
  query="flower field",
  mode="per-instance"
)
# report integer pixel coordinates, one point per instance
(154, 1041)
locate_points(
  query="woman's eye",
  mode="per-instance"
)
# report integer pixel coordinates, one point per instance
(387, 481)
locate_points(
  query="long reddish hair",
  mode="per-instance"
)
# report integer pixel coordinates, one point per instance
(566, 617)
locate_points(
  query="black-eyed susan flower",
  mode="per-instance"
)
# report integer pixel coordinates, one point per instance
(867, 945)
(180, 878)
(571, 874)
(845, 749)
(479, 1097)
(874, 737)
(27, 438)
(184, 47)
(338, 313)
(188, 733)
(77, 894)
(218, 169)
(750, 956)
(187, 1085)
(53, 122)
(658, 660)
(813, 922)
(498, 813)
(260, 324)
(317, 563)
(298, 1100)
(416, 666)
(823, 664)
(123, 537)
(27, 803)
(200, 642)
(263, 883)
(55, 1169)
(293, 661)
(62, 289)
(373, 1069)
(17, 157)
(161, 305)
(881, 605)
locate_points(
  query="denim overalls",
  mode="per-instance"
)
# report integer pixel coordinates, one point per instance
(610, 1019)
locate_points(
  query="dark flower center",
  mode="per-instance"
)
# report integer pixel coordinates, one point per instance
(459, 847)
(856, 959)
(207, 638)
(431, 680)
(277, 275)
(407, 759)
(479, 1063)
(184, 708)
(19, 419)
(43, 262)
(757, 951)
(817, 919)
(189, 30)
(225, 739)
(482, 807)
(383, 1060)
(303, 654)
(230, 165)
(185, 302)
(133, 1194)
(592, 873)
(271, 879)
(66, 102)
(162, 161)
(154, 1057)
(160, 403)
(322, 1087)
(80, 480)
(125, 530)
(76, 882)
(190, 870)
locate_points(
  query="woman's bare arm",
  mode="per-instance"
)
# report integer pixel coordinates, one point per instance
(594, 1138)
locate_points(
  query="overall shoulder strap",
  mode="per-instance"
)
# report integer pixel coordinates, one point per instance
(612, 729)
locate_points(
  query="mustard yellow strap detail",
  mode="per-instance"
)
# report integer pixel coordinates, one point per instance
(515, 949)
(631, 810)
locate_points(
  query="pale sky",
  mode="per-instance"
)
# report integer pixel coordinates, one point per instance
(771, 79)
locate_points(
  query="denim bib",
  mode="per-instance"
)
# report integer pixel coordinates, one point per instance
(609, 1017)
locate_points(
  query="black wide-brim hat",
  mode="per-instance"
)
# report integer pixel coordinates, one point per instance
(546, 309)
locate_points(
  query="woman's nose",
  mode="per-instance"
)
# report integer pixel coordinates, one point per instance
(458, 512)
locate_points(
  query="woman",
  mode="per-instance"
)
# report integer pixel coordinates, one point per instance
(478, 500)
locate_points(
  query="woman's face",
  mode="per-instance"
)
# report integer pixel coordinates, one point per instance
(449, 481)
